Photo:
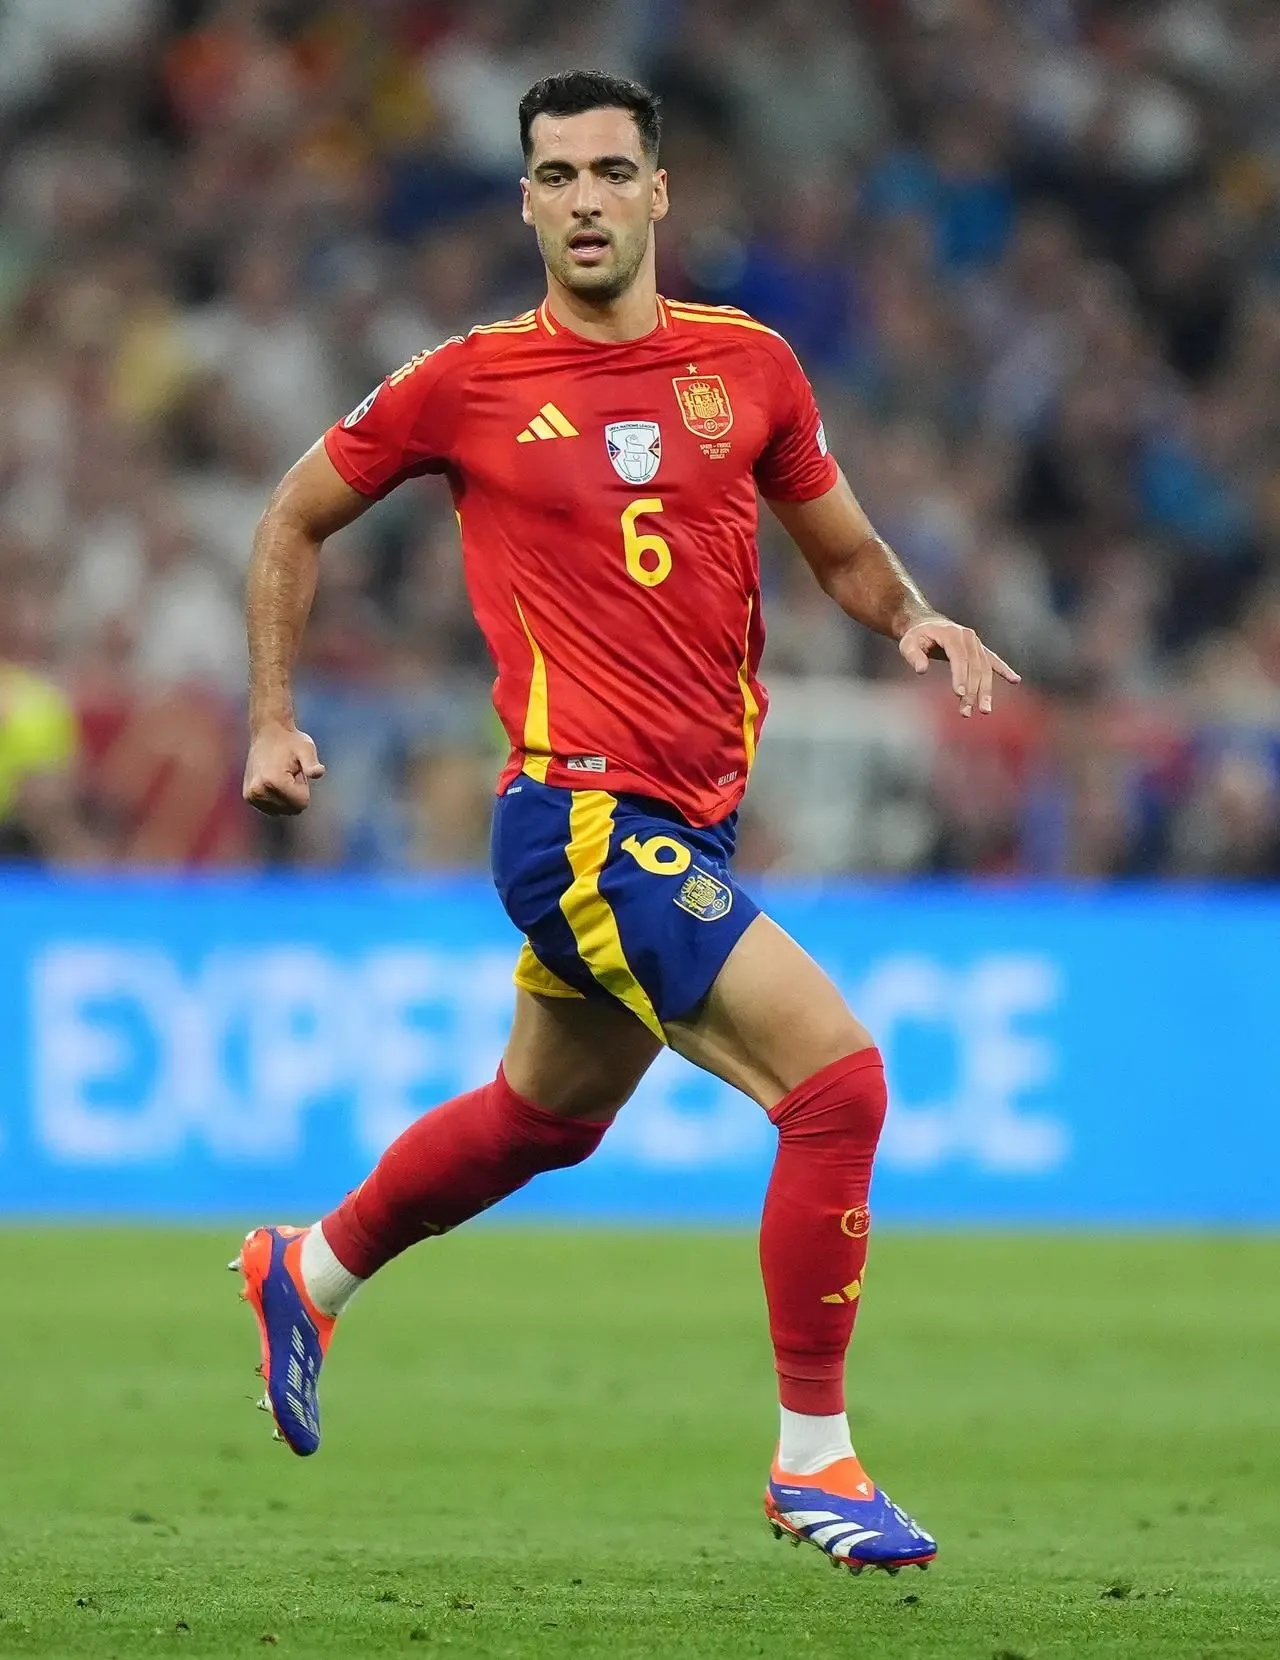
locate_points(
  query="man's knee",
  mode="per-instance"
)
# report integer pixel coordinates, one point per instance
(835, 1039)
(576, 1059)
(564, 1154)
(575, 1089)
(846, 1097)
(815, 1053)
(589, 1099)
(772, 1019)
(767, 1052)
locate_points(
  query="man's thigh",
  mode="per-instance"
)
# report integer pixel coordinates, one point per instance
(579, 1057)
(771, 1019)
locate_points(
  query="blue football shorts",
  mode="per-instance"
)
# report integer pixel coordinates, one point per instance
(617, 896)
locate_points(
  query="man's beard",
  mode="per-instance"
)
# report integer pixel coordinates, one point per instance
(590, 282)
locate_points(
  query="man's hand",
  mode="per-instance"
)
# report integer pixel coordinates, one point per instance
(973, 665)
(281, 766)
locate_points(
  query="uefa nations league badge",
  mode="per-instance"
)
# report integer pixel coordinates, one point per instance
(635, 448)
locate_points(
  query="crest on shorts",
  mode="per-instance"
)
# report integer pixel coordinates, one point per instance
(635, 448)
(704, 404)
(704, 896)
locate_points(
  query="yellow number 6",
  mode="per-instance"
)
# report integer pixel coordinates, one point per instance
(660, 855)
(637, 546)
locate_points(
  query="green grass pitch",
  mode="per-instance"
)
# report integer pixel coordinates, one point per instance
(547, 1444)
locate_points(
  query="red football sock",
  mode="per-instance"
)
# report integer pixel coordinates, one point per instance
(813, 1236)
(454, 1162)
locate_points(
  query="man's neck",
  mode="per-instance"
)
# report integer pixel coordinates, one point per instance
(629, 317)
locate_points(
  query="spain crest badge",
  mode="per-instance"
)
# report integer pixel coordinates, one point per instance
(704, 404)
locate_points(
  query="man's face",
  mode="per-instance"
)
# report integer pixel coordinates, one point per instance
(591, 197)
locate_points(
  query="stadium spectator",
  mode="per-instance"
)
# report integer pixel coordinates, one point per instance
(39, 745)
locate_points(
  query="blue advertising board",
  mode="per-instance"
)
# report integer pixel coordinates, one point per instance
(246, 1048)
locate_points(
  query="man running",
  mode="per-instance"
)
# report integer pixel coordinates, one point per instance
(604, 453)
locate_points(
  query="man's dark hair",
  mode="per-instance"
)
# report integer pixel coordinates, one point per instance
(575, 91)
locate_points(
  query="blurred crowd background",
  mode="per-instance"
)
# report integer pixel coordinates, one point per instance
(1028, 250)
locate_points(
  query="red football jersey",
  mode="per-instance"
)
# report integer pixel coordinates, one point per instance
(607, 501)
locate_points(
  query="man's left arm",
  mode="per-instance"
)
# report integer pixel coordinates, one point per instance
(869, 583)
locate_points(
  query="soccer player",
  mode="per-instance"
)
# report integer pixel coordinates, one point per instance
(604, 453)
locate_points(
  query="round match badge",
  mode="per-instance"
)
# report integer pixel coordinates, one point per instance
(361, 409)
(635, 448)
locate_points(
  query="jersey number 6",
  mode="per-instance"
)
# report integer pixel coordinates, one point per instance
(637, 546)
(660, 855)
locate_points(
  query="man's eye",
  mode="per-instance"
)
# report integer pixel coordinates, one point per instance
(618, 178)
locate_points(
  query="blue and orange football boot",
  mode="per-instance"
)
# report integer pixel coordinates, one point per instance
(295, 1335)
(842, 1512)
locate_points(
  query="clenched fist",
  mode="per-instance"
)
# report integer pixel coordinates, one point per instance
(279, 772)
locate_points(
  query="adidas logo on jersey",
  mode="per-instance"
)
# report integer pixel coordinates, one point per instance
(548, 423)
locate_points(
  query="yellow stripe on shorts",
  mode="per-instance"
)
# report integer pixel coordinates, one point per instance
(532, 974)
(588, 912)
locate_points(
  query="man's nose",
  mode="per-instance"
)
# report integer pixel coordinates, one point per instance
(586, 195)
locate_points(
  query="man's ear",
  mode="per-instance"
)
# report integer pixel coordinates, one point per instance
(526, 209)
(661, 203)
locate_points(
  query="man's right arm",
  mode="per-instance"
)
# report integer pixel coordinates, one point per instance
(310, 503)
(406, 426)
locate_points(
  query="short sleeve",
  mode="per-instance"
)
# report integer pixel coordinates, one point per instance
(406, 426)
(794, 464)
